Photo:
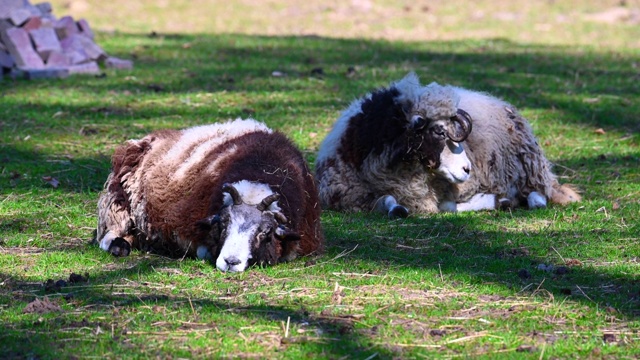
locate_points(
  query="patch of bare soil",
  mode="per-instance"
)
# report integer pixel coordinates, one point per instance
(408, 294)
(43, 306)
(21, 251)
(614, 15)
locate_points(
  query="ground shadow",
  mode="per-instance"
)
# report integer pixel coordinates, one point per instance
(53, 333)
(529, 76)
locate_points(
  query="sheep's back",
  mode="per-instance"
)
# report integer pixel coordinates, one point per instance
(172, 187)
(502, 148)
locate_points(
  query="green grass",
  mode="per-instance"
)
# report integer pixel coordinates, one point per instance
(441, 286)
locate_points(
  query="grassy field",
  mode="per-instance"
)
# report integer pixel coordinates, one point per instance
(563, 282)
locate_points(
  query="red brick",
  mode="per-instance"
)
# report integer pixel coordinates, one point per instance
(19, 44)
(6, 61)
(65, 27)
(85, 29)
(116, 63)
(33, 23)
(58, 59)
(86, 68)
(7, 5)
(19, 16)
(45, 41)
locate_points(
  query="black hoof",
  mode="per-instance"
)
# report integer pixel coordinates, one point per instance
(398, 211)
(504, 204)
(120, 247)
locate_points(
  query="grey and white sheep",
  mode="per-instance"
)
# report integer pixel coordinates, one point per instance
(423, 149)
(236, 192)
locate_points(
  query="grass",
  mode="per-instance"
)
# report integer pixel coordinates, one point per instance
(441, 286)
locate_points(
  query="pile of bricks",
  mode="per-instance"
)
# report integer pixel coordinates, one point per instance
(36, 44)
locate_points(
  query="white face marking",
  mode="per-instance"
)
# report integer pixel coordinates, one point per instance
(251, 193)
(454, 163)
(236, 251)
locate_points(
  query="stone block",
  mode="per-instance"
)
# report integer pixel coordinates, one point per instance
(77, 56)
(6, 60)
(34, 22)
(5, 24)
(65, 27)
(45, 8)
(55, 73)
(33, 10)
(19, 16)
(6, 6)
(19, 44)
(116, 63)
(58, 59)
(82, 43)
(85, 29)
(86, 68)
(45, 41)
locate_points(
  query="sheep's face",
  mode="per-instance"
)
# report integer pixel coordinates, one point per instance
(436, 143)
(249, 233)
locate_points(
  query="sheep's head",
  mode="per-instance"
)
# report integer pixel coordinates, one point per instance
(249, 233)
(435, 127)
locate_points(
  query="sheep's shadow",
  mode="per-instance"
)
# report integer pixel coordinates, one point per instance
(458, 244)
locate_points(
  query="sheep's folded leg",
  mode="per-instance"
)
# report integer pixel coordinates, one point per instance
(478, 202)
(203, 253)
(116, 245)
(536, 201)
(388, 205)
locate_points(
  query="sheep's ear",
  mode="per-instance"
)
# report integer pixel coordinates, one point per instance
(208, 222)
(284, 234)
(410, 89)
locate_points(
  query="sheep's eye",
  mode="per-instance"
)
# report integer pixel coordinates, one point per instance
(418, 122)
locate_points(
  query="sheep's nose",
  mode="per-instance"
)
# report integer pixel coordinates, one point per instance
(466, 169)
(232, 260)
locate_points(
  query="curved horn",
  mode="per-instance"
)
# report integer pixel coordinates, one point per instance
(285, 234)
(460, 127)
(266, 202)
(228, 188)
(280, 218)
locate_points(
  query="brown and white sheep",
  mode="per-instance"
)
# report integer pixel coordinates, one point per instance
(423, 149)
(236, 192)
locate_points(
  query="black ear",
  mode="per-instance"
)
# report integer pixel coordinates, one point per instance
(208, 222)
(284, 234)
